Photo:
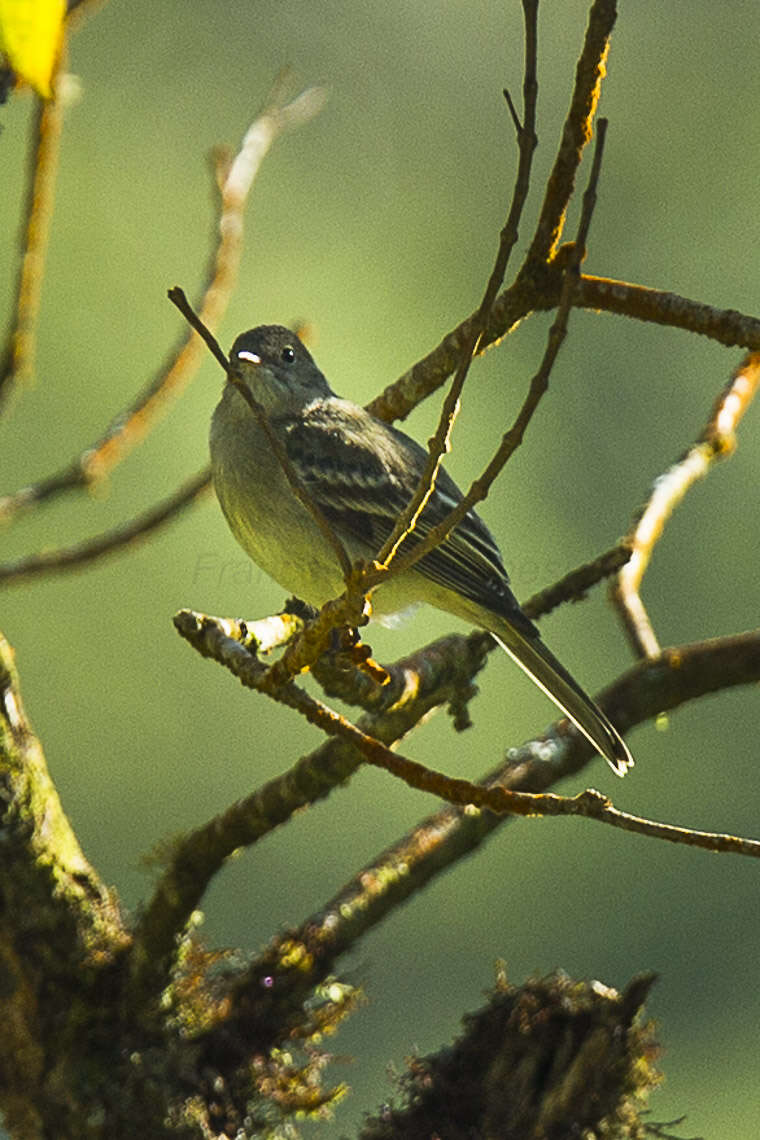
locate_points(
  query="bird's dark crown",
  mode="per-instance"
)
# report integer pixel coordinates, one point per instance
(273, 344)
(282, 363)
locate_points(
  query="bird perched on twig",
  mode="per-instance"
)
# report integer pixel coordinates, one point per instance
(361, 473)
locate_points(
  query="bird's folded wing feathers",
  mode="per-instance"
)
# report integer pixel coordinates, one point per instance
(362, 473)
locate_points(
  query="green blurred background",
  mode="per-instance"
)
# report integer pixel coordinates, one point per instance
(378, 223)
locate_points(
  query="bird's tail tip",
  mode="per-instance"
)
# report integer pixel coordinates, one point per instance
(618, 756)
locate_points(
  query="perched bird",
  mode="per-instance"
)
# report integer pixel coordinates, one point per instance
(361, 473)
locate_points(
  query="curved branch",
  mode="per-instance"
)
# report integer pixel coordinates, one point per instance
(542, 292)
(300, 958)
(235, 178)
(717, 441)
(109, 542)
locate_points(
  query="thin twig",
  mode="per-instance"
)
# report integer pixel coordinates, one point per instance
(129, 427)
(109, 542)
(591, 804)
(574, 586)
(717, 441)
(178, 298)
(538, 385)
(527, 142)
(576, 133)
(17, 356)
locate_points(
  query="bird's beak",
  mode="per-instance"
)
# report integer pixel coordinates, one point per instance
(235, 371)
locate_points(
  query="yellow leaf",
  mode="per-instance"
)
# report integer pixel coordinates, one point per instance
(30, 36)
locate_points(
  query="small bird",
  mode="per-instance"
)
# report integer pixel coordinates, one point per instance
(362, 472)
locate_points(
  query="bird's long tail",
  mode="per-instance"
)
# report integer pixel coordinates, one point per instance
(549, 674)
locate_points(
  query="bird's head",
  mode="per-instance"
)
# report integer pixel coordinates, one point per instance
(278, 368)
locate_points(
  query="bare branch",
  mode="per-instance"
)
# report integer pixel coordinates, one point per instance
(527, 142)
(576, 132)
(717, 441)
(599, 294)
(541, 293)
(109, 542)
(211, 641)
(17, 356)
(130, 426)
(538, 385)
(416, 685)
(726, 326)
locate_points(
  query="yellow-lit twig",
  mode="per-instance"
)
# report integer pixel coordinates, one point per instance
(576, 132)
(538, 385)
(439, 444)
(235, 179)
(717, 441)
(17, 357)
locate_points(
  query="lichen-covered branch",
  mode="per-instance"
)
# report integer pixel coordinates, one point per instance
(61, 925)
(552, 1057)
(439, 674)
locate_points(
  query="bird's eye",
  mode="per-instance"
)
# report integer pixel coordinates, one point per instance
(288, 354)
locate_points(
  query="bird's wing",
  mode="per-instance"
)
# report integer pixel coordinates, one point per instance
(362, 473)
